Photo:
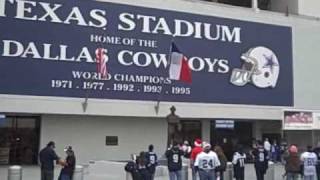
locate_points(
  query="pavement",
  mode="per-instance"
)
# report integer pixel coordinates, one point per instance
(106, 170)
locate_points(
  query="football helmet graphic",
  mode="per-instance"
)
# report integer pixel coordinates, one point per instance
(260, 67)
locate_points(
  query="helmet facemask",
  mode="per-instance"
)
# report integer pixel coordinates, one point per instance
(241, 77)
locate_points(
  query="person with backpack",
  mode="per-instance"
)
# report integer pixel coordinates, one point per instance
(238, 161)
(152, 161)
(292, 163)
(223, 162)
(173, 155)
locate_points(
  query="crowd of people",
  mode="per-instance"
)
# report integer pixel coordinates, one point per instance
(143, 167)
(207, 162)
(210, 163)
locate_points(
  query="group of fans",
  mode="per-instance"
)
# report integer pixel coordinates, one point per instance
(209, 163)
(143, 167)
(206, 164)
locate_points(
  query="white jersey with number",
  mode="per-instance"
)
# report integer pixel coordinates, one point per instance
(207, 161)
(238, 159)
(309, 160)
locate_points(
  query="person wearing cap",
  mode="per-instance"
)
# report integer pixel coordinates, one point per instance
(174, 161)
(68, 165)
(47, 157)
(206, 163)
(194, 153)
(292, 163)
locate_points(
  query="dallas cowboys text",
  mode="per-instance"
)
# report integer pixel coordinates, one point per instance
(122, 51)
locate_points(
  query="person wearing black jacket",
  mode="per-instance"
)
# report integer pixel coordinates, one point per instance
(47, 157)
(138, 167)
(132, 168)
(261, 160)
(142, 166)
(69, 165)
(174, 161)
(152, 161)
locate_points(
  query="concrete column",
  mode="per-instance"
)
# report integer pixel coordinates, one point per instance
(205, 130)
(254, 5)
(257, 130)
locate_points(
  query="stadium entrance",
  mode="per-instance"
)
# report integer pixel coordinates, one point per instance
(229, 133)
(19, 139)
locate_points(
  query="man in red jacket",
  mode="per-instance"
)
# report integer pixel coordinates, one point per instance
(197, 149)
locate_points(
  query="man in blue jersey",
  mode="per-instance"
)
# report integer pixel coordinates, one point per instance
(174, 161)
(152, 161)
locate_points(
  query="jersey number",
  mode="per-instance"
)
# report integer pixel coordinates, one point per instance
(207, 164)
(241, 162)
(261, 157)
(152, 159)
(310, 162)
(175, 158)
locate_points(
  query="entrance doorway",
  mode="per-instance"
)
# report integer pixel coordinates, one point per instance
(19, 139)
(231, 134)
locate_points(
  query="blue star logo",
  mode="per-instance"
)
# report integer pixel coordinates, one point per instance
(270, 62)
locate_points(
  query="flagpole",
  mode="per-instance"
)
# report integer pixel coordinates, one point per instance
(157, 106)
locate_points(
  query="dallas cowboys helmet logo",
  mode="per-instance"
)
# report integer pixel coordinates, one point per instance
(260, 67)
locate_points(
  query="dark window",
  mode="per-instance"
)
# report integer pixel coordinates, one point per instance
(111, 140)
(263, 4)
(243, 3)
(19, 139)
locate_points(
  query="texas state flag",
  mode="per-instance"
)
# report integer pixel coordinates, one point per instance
(179, 68)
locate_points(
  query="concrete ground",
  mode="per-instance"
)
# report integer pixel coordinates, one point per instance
(115, 171)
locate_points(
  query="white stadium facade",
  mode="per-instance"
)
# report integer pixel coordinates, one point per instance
(254, 68)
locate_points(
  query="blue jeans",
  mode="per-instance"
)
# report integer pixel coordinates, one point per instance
(274, 156)
(194, 173)
(207, 175)
(312, 177)
(175, 175)
(292, 176)
(65, 177)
